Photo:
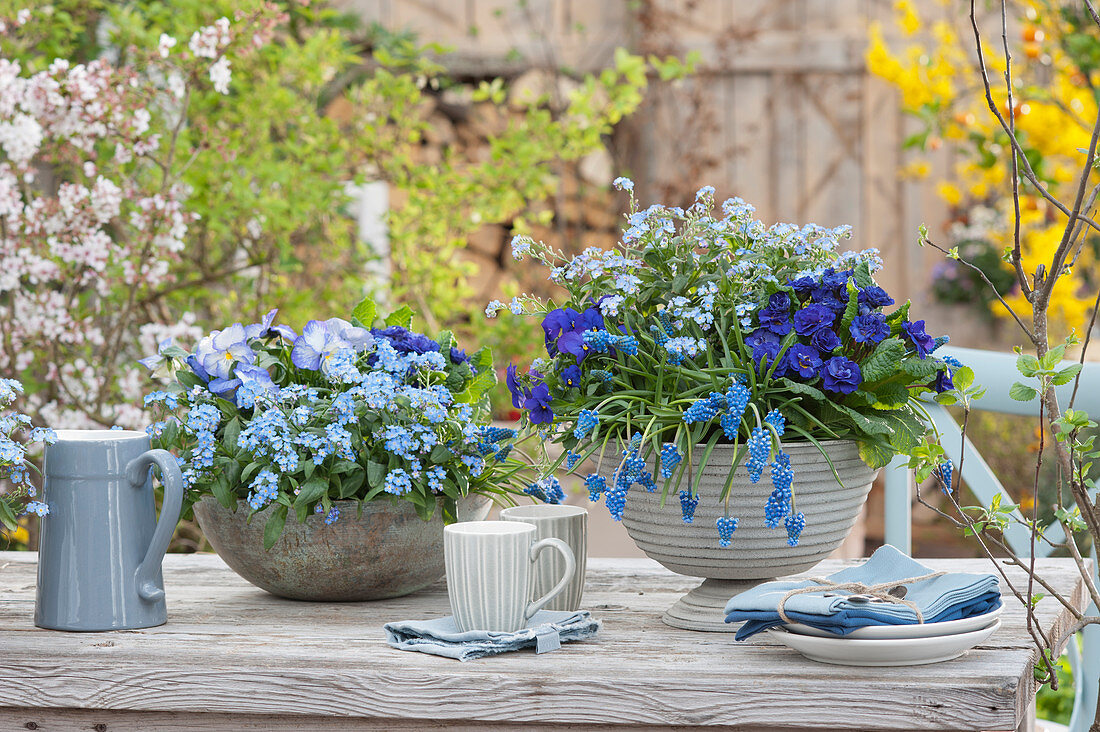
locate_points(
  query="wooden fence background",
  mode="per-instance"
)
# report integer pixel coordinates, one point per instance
(781, 112)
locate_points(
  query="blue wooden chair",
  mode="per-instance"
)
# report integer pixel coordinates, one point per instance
(997, 372)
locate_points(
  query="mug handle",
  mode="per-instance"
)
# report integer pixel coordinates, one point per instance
(570, 568)
(170, 476)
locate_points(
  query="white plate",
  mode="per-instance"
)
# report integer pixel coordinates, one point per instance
(918, 630)
(886, 652)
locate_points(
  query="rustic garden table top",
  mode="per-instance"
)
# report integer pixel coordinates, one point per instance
(234, 657)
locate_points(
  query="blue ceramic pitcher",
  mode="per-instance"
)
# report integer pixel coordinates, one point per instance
(101, 544)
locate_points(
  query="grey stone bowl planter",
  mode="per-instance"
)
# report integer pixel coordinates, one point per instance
(757, 553)
(389, 551)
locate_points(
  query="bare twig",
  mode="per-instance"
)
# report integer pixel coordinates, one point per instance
(985, 279)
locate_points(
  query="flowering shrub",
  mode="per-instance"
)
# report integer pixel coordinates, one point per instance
(1054, 68)
(698, 330)
(94, 209)
(13, 455)
(293, 422)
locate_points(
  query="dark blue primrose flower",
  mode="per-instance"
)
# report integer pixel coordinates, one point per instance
(825, 340)
(763, 343)
(841, 375)
(458, 356)
(834, 280)
(871, 328)
(537, 404)
(406, 341)
(804, 360)
(874, 297)
(776, 316)
(813, 318)
(921, 341)
(803, 285)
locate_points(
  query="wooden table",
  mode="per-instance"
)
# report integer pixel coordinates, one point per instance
(234, 657)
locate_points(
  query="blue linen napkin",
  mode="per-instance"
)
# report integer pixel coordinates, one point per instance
(546, 631)
(951, 596)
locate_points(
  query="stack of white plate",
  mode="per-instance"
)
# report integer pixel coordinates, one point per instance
(890, 645)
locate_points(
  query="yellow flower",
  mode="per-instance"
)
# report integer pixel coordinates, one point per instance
(907, 17)
(916, 169)
(950, 193)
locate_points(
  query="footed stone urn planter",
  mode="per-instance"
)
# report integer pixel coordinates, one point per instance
(757, 553)
(386, 552)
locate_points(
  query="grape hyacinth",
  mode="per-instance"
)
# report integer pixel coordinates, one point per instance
(795, 523)
(687, 506)
(779, 502)
(945, 470)
(726, 527)
(587, 421)
(670, 458)
(547, 490)
(596, 484)
(775, 419)
(759, 447)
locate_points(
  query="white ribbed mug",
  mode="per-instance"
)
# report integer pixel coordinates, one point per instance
(490, 570)
(568, 523)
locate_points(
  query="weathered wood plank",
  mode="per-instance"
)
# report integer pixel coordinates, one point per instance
(230, 649)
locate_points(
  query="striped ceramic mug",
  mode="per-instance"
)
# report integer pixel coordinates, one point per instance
(568, 523)
(490, 570)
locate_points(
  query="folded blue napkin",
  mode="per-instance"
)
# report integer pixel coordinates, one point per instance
(950, 596)
(545, 631)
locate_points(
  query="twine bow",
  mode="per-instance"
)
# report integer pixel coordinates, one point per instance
(880, 591)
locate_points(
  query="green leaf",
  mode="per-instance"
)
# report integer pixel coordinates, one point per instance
(483, 382)
(1066, 375)
(482, 360)
(273, 529)
(852, 307)
(890, 395)
(863, 275)
(7, 516)
(875, 453)
(871, 424)
(230, 435)
(1027, 364)
(189, 380)
(402, 317)
(376, 474)
(1022, 393)
(249, 472)
(440, 454)
(918, 368)
(963, 378)
(311, 491)
(883, 361)
(365, 313)
(352, 483)
(223, 491)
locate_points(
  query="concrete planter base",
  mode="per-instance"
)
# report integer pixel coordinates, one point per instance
(757, 553)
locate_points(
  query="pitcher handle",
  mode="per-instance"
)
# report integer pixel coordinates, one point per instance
(570, 568)
(172, 479)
